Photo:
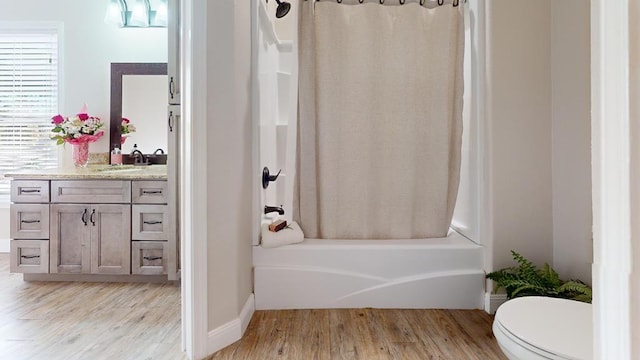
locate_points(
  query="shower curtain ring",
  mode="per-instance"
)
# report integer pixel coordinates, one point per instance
(339, 1)
(381, 2)
(361, 1)
(456, 2)
(421, 2)
(440, 2)
(401, 2)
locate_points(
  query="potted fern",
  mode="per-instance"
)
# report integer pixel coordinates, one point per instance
(527, 280)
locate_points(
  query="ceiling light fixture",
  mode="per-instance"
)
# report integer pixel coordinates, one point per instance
(137, 13)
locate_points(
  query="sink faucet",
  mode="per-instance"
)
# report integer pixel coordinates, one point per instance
(269, 209)
(138, 157)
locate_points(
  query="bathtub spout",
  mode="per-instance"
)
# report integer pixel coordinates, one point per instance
(269, 209)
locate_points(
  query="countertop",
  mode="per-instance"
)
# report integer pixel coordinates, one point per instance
(95, 172)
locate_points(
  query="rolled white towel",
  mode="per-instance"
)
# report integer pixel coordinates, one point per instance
(292, 234)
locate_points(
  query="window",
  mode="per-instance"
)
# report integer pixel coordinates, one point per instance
(28, 100)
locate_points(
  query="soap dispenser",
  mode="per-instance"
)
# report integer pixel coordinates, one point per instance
(116, 156)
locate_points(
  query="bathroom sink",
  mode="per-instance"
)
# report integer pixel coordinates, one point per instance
(123, 170)
(116, 168)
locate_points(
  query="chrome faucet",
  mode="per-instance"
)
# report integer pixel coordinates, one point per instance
(270, 209)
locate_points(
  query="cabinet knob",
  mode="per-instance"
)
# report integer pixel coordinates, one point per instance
(29, 191)
(172, 88)
(152, 191)
(170, 121)
(29, 221)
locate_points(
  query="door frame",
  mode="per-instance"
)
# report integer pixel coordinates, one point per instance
(193, 195)
(612, 172)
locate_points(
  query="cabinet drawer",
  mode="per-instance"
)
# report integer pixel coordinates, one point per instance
(149, 192)
(29, 221)
(149, 257)
(30, 191)
(29, 256)
(150, 222)
(91, 191)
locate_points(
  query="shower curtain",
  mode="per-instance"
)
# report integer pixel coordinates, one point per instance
(380, 119)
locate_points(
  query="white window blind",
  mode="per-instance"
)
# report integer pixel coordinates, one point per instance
(28, 100)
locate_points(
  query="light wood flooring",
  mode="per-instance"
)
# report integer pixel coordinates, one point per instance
(366, 334)
(64, 320)
(58, 320)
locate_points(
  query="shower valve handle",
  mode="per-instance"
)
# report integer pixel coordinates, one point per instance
(266, 177)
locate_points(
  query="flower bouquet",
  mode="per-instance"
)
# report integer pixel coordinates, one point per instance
(79, 131)
(126, 128)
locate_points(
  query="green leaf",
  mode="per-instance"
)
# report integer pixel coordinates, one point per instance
(526, 280)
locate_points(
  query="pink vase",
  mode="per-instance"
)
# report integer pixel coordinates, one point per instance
(80, 154)
(122, 140)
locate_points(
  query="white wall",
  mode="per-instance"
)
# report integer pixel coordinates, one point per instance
(89, 46)
(538, 90)
(634, 80)
(518, 117)
(571, 139)
(229, 160)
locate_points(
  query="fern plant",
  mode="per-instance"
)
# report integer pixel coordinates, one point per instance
(527, 280)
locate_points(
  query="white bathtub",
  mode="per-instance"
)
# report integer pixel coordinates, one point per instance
(443, 273)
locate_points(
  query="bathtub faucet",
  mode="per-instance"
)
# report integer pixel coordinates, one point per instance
(269, 209)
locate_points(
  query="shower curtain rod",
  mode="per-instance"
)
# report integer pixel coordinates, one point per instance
(402, 2)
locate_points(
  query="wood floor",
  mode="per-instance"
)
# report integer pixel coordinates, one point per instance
(111, 321)
(57, 320)
(366, 334)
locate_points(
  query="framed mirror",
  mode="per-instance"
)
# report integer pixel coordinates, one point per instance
(138, 93)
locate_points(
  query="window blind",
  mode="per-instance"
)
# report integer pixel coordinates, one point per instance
(28, 100)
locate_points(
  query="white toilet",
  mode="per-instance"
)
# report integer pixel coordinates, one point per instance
(537, 328)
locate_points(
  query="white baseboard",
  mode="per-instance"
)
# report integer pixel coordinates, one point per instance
(493, 301)
(5, 245)
(232, 331)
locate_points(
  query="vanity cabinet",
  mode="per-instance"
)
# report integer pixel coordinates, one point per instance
(90, 227)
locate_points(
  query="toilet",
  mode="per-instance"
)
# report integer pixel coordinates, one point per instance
(533, 328)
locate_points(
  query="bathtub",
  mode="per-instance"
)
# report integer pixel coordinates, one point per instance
(443, 273)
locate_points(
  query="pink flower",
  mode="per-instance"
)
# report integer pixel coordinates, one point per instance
(125, 120)
(83, 116)
(57, 120)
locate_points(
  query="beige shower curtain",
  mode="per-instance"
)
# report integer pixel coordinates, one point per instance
(380, 119)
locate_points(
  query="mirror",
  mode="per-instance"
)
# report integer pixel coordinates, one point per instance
(139, 93)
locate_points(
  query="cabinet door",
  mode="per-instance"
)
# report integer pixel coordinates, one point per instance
(173, 65)
(173, 186)
(69, 243)
(110, 239)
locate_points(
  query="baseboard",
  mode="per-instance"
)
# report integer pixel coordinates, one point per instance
(5, 245)
(247, 313)
(232, 331)
(493, 301)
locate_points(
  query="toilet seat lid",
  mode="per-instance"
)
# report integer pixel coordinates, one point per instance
(559, 326)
